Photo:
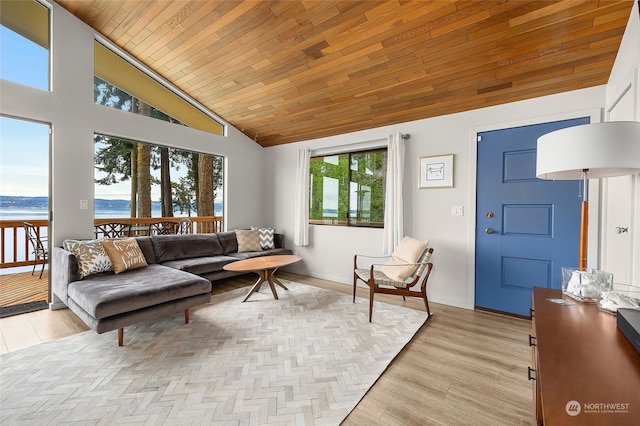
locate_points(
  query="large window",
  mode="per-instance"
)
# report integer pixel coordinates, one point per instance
(348, 189)
(134, 179)
(24, 43)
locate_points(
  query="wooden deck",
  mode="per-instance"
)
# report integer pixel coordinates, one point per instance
(24, 287)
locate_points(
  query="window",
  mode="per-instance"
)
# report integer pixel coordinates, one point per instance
(130, 181)
(118, 72)
(109, 95)
(24, 43)
(348, 189)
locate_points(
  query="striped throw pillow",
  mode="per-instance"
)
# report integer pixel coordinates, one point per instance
(267, 241)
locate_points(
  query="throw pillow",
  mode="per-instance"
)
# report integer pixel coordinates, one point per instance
(248, 240)
(124, 254)
(409, 250)
(91, 256)
(267, 241)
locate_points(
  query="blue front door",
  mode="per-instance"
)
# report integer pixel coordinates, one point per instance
(526, 228)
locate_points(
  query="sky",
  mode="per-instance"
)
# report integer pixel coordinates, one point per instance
(24, 62)
(24, 145)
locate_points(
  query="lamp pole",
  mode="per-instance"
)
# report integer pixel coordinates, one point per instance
(584, 220)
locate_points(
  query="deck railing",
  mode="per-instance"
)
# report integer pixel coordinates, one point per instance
(15, 249)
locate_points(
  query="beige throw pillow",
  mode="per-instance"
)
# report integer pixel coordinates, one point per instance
(124, 254)
(248, 240)
(409, 250)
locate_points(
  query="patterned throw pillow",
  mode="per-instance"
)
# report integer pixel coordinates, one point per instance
(267, 241)
(91, 256)
(124, 254)
(248, 240)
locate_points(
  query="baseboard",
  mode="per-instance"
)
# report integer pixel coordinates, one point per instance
(54, 306)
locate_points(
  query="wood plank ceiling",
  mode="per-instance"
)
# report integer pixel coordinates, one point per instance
(286, 71)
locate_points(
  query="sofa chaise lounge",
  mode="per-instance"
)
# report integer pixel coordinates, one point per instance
(177, 276)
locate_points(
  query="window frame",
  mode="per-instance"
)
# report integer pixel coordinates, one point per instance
(349, 220)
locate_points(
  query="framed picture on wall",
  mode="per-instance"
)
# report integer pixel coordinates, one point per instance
(436, 171)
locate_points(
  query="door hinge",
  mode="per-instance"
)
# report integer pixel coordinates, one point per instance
(478, 138)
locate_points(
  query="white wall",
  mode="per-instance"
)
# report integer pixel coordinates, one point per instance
(74, 117)
(427, 211)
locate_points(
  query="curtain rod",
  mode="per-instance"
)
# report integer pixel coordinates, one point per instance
(356, 146)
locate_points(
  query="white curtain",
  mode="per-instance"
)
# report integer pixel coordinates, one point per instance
(393, 214)
(301, 234)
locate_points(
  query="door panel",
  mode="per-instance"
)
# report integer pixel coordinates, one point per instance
(527, 228)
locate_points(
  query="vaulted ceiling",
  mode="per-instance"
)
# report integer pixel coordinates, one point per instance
(286, 71)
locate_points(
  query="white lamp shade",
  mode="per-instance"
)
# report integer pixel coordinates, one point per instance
(604, 149)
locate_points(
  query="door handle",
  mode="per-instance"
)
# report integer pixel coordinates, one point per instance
(489, 231)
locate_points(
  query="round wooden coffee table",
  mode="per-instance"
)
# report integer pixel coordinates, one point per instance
(265, 267)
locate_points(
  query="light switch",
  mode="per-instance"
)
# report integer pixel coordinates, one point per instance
(457, 211)
(84, 205)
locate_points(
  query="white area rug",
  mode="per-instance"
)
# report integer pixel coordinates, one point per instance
(305, 359)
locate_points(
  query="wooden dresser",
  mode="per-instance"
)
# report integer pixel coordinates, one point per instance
(585, 371)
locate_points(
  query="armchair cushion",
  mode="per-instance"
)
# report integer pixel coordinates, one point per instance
(409, 250)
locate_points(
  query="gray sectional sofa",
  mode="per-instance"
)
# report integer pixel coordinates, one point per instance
(179, 276)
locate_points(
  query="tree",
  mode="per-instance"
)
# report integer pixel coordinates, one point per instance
(165, 183)
(121, 159)
(205, 185)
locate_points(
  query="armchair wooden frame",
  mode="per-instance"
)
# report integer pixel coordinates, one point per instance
(385, 285)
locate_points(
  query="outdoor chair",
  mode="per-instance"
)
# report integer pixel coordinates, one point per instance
(39, 244)
(164, 228)
(184, 226)
(377, 278)
(113, 230)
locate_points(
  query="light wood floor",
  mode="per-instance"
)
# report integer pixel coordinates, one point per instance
(24, 287)
(462, 367)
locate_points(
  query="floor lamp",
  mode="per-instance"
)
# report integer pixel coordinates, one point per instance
(586, 152)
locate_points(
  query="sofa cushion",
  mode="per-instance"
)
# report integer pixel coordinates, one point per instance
(250, 254)
(105, 295)
(125, 254)
(146, 245)
(228, 241)
(248, 240)
(184, 246)
(90, 255)
(201, 265)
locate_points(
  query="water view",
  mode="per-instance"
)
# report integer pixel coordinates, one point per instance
(35, 208)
